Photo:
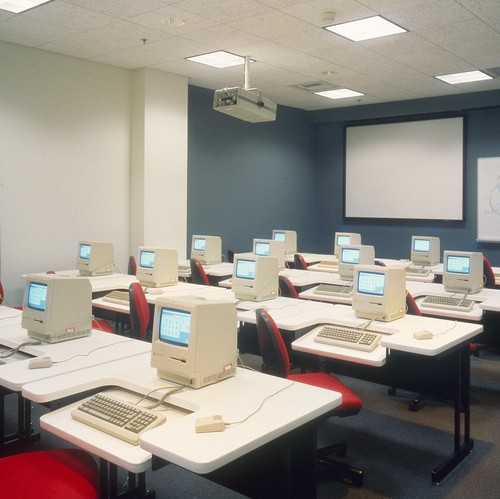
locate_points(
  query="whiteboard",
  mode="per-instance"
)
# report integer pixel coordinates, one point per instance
(488, 199)
(405, 170)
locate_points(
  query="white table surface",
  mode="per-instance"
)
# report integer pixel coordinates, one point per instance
(397, 335)
(179, 290)
(99, 283)
(234, 399)
(68, 356)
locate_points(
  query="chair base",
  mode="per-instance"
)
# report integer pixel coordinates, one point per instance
(343, 472)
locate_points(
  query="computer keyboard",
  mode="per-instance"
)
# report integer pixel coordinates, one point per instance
(117, 418)
(342, 336)
(117, 296)
(334, 289)
(327, 264)
(448, 302)
(417, 271)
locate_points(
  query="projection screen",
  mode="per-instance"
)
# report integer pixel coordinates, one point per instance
(405, 170)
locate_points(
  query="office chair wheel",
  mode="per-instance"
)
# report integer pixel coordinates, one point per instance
(416, 404)
(339, 449)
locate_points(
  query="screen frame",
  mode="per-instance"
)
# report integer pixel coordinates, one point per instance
(455, 213)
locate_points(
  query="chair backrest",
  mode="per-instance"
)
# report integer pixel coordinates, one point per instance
(1, 293)
(198, 275)
(139, 311)
(286, 287)
(230, 255)
(132, 265)
(272, 347)
(299, 262)
(411, 305)
(489, 275)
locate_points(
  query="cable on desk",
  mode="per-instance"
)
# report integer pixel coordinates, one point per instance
(447, 330)
(173, 389)
(260, 406)
(8, 353)
(93, 350)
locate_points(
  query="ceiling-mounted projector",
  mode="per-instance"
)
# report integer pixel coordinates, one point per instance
(247, 105)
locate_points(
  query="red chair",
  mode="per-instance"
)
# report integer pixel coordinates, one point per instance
(132, 265)
(139, 312)
(1, 293)
(198, 274)
(230, 255)
(286, 287)
(50, 474)
(102, 325)
(489, 275)
(276, 362)
(299, 262)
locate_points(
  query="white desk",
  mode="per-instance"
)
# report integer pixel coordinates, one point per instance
(179, 290)
(324, 267)
(313, 258)
(438, 270)
(235, 399)
(487, 299)
(439, 366)
(299, 278)
(217, 270)
(397, 335)
(100, 283)
(68, 356)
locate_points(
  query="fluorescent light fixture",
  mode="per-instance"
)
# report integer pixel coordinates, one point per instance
(465, 77)
(341, 93)
(365, 29)
(219, 59)
(18, 6)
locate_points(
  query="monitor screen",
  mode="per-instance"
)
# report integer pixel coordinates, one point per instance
(261, 248)
(37, 296)
(371, 283)
(350, 255)
(175, 326)
(199, 244)
(458, 264)
(147, 259)
(421, 245)
(245, 269)
(343, 239)
(85, 250)
(279, 236)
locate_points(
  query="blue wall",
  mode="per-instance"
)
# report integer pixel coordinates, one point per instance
(246, 179)
(392, 238)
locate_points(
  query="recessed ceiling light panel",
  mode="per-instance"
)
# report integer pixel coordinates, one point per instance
(365, 29)
(219, 59)
(341, 93)
(18, 6)
(466, 77)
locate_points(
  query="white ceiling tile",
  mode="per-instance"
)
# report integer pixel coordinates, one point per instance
(285, 37)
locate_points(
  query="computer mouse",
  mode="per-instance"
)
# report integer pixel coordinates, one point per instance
(423, 335)
(40, 362)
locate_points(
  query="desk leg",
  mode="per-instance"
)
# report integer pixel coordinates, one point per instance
(25, 434)
(108, 483)
(462, 404)
(284, 468)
